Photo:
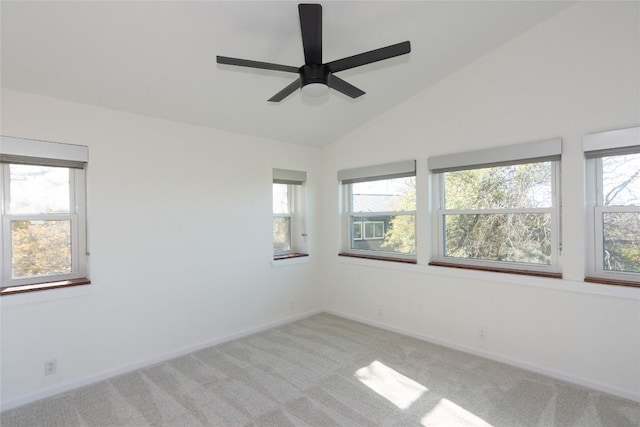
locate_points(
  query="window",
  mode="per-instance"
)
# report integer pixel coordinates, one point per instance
(372, 230)
(497, 209)
(379, 211)
(43, 214)
(613, 205)
(289, 236)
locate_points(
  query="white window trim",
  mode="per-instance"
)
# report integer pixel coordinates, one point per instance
(43, 151)
(547, 148)
(599, 143)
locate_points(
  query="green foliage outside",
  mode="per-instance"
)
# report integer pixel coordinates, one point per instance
(521, 237)
(40, 248)
(401, 234)
(513, 237)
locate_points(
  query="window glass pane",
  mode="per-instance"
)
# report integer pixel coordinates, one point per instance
(514, 186)
(524, 238)
(390, 195)
(281, 234)
(357, 230)
(38, 189)
(621, 180)
(386, 233)
(40, 248)
(281, 198)
(621, 241)
(368, 230)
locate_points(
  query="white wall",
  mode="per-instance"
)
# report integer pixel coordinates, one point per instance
(180, 240)
(574, 74)
(180, 221)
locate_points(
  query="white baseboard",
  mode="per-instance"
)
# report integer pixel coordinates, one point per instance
(109, 373)
(627, 394)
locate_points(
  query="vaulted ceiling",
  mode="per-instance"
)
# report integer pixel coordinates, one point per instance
(158, 58)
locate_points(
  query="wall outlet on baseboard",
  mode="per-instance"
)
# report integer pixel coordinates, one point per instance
(482, 334)
(50, 366)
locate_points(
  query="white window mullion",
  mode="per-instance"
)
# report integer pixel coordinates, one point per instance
(599, 239)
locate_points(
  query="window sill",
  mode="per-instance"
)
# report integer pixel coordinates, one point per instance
(498, 270)
(614, 282)
(289, 256)
(290, 259)
(13, 290)
(379, 258)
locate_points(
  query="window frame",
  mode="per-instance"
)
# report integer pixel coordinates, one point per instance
(295, 182)
(347, 178)
(440, 212)
(290, 216)
(596, 147)
(523, 153)
(56, 156)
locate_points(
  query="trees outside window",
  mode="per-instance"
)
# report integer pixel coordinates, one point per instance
(499, 214)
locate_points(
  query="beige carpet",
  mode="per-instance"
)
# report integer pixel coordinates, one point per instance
(328, 371)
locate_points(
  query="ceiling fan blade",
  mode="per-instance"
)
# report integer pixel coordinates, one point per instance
(348, 89)
(286, 91)
(369, 57)
(311, 28)
(255, 64)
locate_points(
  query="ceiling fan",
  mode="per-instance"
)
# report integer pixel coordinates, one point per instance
(315, 77)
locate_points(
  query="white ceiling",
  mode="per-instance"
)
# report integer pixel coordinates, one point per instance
(158, 58)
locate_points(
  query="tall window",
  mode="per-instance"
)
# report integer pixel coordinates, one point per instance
(379, 211)
(43, 213)
(498, 209)
(613, 208)
(289, 235)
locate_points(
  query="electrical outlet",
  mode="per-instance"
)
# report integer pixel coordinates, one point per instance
(50, 366)
(482, 334)
(380, 312)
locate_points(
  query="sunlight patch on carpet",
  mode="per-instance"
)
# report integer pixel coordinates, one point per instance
(447, 413)
(390, 384)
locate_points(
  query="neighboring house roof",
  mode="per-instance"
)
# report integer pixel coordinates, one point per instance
(374, 202)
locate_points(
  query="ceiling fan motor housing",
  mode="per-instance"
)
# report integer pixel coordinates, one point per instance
(314, 73)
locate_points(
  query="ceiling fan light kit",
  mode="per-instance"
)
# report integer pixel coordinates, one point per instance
(315, 77)
(315, 89)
